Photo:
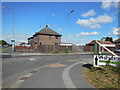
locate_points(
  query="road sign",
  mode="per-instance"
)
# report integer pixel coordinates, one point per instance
(12, 40)
(106, 60)
(96, 61)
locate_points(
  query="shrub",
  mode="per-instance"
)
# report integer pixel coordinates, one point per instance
(67, 50)
(55, 52)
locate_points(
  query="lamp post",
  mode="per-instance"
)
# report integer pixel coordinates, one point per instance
(68, 15)
(13, 41)
(67, 18)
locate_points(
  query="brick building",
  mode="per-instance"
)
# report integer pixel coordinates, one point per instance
(46, 36)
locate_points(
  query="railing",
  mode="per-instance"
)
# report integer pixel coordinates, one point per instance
(101, 45)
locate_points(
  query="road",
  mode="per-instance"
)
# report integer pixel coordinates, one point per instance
(49, 71)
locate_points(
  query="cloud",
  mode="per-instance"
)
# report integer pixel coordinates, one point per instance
(59, 29)
(55, 25)
(89, 13)
(87, 33)
(115, 39)
(69, 36)
(75, 41)
(116, 31)
(18, 37)
(107, 4)
(94, 23)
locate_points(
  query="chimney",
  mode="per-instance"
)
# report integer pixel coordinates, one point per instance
(46, 25)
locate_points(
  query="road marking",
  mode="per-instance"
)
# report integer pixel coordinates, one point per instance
(32, 59)
(57, 65)
(17, 84)
(66, 78)
(27, 75)
(0, 88)
(73, 60)
(21, 80)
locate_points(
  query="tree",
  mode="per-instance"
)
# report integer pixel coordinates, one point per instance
(109, 39)
(3, 42)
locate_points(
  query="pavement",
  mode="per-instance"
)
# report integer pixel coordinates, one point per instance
(50, 71)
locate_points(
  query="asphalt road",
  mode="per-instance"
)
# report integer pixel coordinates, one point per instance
(51, 71)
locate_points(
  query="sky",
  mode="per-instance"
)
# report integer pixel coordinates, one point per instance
(90, 20)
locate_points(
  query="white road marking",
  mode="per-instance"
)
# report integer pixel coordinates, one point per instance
(17, 84)
(0, 88)
(27, 75)
(32, 59)
(66, 78)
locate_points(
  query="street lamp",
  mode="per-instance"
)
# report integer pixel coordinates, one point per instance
(68, 14)
(67, 18)
(11, 9)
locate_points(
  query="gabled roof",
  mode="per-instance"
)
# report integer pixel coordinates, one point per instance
(30, 38)
(48, 31)
(105, 42)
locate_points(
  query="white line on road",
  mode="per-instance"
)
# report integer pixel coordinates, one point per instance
(32, 59)
(66, 78)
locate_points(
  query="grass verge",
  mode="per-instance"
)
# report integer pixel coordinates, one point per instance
(4, 49)
(104, 77)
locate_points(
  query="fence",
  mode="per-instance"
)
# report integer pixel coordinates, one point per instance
(91, 49)
(49, 48)
(88, 48)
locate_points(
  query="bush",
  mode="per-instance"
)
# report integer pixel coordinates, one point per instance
(55, 52)
(67, 50)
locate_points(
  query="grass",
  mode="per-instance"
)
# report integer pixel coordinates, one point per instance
(104, 77)
(55, 52)
(4, 49)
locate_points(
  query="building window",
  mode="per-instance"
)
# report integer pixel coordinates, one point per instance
(56, 44)
(40, 43)
(49, 37)
(56, 37)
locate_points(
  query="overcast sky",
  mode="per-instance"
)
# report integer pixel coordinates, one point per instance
(90, 20)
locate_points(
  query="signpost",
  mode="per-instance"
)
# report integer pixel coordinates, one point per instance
(96, 49)
(106, 60)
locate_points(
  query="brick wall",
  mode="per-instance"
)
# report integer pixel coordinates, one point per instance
(49, 48)
(88, 48)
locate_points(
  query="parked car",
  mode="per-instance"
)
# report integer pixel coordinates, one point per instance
(117, 50)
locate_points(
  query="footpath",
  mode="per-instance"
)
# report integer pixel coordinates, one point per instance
(19, 54)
